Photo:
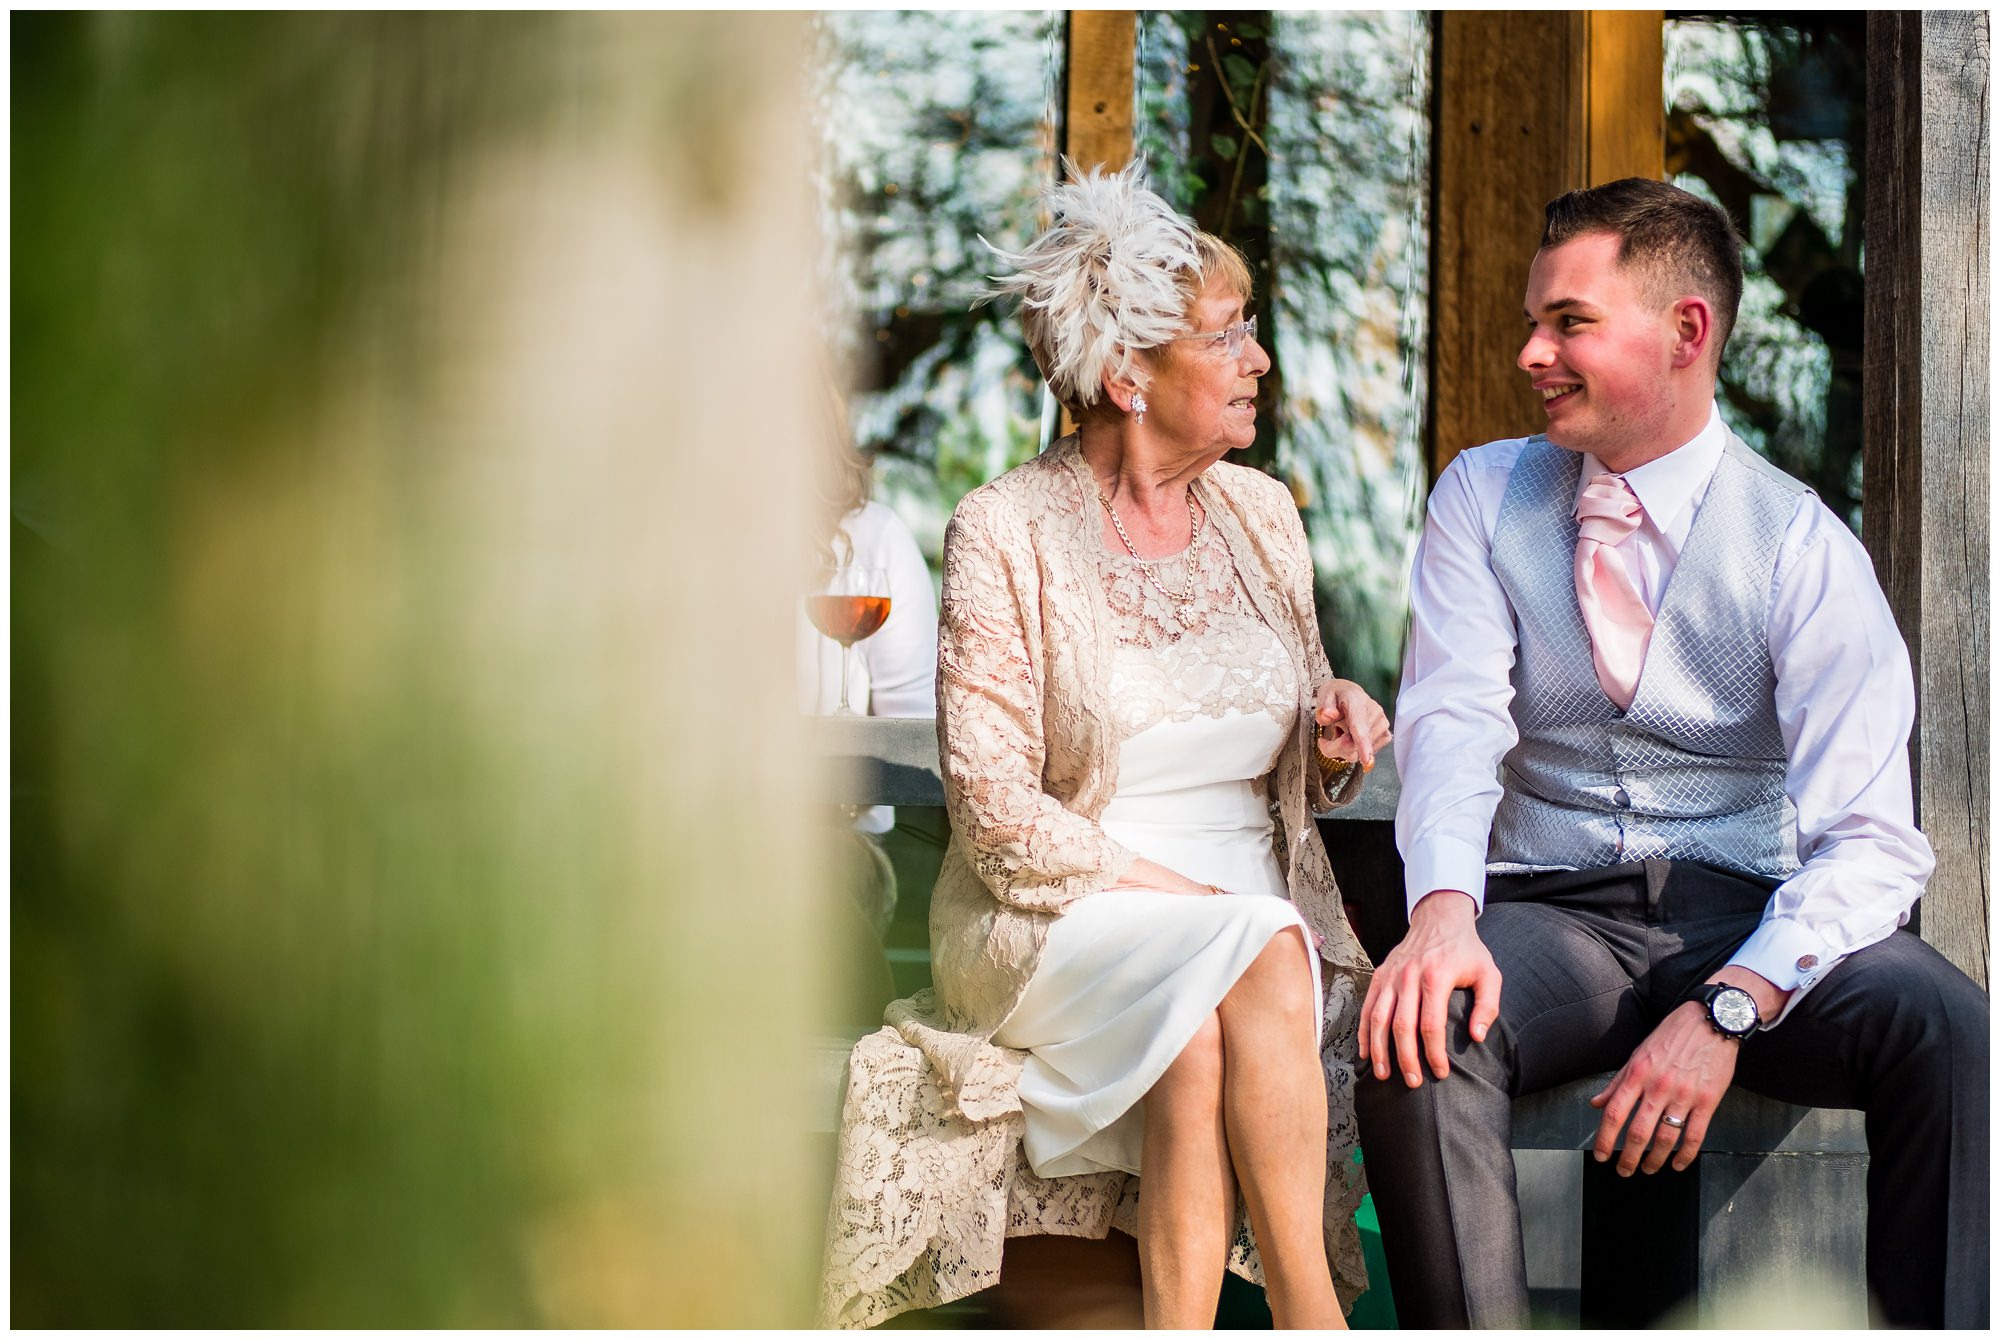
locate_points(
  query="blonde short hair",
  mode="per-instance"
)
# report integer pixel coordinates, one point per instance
(1115, 272)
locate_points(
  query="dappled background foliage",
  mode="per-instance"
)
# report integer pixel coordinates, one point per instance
(1766, 117)
(937, 128)
(1302, 138)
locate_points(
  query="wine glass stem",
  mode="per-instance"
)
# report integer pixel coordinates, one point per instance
(846, 655)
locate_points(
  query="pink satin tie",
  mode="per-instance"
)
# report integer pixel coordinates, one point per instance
(1618, 621)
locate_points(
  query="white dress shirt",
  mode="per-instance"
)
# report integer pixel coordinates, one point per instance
(894, 672)
(1845, 703)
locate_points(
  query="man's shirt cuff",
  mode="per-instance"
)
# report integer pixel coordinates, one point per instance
(1445, 863)
(1788, 954)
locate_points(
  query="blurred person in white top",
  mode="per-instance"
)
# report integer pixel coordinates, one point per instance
(892, 673)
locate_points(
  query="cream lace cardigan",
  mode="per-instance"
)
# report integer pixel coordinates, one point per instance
(929, 1179)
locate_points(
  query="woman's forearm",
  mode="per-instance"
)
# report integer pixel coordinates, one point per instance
(1145, 874)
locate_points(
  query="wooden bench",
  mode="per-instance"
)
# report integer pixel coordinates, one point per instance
(1776, 1201)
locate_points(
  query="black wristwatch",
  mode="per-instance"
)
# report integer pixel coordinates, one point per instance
(1731, 1010)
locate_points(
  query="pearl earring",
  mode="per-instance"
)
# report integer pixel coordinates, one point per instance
(1138, 409)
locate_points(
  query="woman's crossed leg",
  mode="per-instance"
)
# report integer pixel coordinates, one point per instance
(1244, 1102)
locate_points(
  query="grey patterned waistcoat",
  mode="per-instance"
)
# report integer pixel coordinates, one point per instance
(1695, 770)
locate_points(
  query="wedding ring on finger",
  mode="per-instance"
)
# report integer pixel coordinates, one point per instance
(1676, 1122)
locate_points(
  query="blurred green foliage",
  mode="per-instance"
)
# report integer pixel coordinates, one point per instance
(351, 940)
(202, 1104)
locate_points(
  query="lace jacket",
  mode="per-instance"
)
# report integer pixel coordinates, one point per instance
(930, 1180)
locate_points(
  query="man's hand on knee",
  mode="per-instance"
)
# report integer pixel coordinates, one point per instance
(1668, 1091)
(1671, 1087)
(1410, 996)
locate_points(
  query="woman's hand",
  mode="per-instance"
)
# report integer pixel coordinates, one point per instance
(1351, 725)
(1145, 874)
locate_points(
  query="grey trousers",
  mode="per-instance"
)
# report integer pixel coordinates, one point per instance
(1590, 961)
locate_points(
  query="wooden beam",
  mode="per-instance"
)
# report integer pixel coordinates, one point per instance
(1530, 104)
(1925, 430)
(1098, 111)
(1506, 142)
(1624, 112)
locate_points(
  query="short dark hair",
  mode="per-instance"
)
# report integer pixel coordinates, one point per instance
(1684, 241)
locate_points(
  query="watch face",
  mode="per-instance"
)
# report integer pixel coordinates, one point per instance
(1734, 1010)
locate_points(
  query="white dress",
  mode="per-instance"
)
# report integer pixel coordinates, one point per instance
(1129, 975)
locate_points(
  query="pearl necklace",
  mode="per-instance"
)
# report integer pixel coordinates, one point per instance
(1184, 603)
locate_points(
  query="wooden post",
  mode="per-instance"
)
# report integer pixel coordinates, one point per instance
(1530, 104)
(1925, 429)
(1102, 52)
(1098, 111)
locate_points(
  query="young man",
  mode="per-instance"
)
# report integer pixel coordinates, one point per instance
(1696, 859)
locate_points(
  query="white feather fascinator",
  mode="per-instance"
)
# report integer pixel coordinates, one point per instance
(1106, 279)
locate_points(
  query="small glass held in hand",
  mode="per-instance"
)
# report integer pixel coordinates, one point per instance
(854, 605)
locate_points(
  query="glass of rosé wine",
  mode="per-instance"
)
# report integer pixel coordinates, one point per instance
(853, 606)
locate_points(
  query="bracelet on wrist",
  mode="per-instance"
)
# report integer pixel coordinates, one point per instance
(1331, 770)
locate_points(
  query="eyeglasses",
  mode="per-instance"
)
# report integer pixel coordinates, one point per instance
(1228, 341)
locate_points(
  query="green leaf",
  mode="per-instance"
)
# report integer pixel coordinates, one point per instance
(1224, 146)
(1249, 32)
(1241, 72)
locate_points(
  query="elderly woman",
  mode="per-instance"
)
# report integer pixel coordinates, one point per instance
(1143, 973)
